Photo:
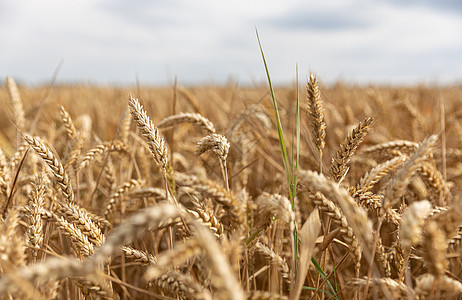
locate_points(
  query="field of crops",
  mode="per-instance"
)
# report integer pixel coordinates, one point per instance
(209, 192)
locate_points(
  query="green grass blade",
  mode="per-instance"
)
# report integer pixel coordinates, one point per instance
(324, 276)
(297, 143)
(335, 277)
(285, 158)
(317, 290)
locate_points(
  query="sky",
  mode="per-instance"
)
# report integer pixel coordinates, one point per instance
(214, 42)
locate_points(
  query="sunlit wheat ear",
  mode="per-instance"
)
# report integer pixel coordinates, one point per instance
(182, 286)
(152, 218)
(225, 282)
(390, 149)
(95, 288)
(355, 215)
(138, 255)
(34, 208)
(273, 257)
(448, 219)
(4, 176)
(206, 217)
(316, 112)
(151, 134)
(340, 161)
(55, 165)
(115, 146)
(427, 284)
(172, 258)
(18, 109)
(80, 241)
(124, 127)
(31, 275)
(143, 192)
(400, 181)
(278, 206)
(436, 183)
(410, 228)
(368, 181)
(17, 157)
(83, 220)
(391, 287)
(308, 235)
(218, 144)
(12, 243)
(115, 198)
(68, 124)
(193, 118)
(56, 268)
(214, 191)
(263, 295)
(333, 211)
(435, 245)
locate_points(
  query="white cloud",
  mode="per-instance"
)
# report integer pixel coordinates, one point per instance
(109, 41)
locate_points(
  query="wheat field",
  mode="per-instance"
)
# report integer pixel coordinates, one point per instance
(193, 192)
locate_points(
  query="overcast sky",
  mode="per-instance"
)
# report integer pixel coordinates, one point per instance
(211, 41)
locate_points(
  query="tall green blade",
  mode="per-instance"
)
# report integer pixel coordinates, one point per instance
(285, 158)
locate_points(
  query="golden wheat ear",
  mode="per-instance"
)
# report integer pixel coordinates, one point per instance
(196, 119)
(19, 116)
(340, 161)
(55, 165)
(150, 132)
(316, 111)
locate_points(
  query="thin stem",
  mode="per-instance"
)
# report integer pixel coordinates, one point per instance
(224, 172)
(374, 248)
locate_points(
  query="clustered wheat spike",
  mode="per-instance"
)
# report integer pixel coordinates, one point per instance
(116, 197)
(316, 111)
(35, 206)
(175, 257)
(403, 176)
(18, 108)
(156, 143)
(100, 149)
(55, 165)
(216, 143)
(347, 149)
(68, 124)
